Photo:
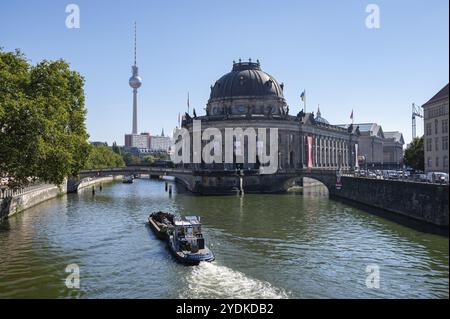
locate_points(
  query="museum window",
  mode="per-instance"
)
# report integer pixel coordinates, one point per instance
(444, 126)
(436, 124)
(445, 162)
(436, 144)
(445, 143)
(429, 145)
(428, 129)
(429, 162)
(437, 161)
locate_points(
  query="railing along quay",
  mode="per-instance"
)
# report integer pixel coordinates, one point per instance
(6, 192)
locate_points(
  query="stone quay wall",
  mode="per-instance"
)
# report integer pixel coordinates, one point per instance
(18, 203)
(421, 201)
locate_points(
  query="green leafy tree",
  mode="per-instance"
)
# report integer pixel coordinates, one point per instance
(148, 160)
(131, 159)
(103, 157)
(414, 154)
(42, 120)
(116, 148)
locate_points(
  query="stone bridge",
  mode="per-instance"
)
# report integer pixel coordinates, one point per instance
(423, 202)
(192, 179)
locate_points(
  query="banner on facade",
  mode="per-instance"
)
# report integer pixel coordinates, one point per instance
(310, 162)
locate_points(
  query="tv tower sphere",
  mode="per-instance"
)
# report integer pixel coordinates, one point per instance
(135, 81)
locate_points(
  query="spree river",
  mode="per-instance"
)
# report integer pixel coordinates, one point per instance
(266, 246)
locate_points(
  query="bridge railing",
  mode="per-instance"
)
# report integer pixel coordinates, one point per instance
(132, 169)
(6, 192)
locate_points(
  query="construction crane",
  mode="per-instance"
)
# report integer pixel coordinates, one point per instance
(416, 111)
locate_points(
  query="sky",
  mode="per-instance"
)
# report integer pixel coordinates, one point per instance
(323, 47)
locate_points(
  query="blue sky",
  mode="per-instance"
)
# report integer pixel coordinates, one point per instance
(321, 46)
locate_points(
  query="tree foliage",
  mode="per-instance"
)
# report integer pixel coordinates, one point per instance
(414, 154)
(103, 157)
(42, 120)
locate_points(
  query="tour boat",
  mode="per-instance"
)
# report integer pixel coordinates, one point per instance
(161, 223)
(184, 237)
(187, 243)
(127, 179)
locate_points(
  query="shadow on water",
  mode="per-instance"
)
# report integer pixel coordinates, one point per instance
(397, 218)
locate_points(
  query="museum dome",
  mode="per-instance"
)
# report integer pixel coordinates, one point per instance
(246, 80)
(319, 117)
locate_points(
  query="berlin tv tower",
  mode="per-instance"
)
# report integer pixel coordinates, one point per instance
(135, 82)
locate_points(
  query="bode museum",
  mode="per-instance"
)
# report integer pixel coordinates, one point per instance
(249, 98)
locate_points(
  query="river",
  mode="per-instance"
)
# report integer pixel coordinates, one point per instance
(266, 246)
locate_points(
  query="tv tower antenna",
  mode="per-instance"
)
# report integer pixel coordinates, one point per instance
(135, 83)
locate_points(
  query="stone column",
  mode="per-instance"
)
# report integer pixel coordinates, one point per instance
(320, 151)
(333, 149)
(316, 148)
(328, 152)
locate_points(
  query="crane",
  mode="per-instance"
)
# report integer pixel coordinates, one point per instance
(416, 111)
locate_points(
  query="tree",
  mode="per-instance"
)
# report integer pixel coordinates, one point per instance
(103, 157)
(115, 148)
(42, 120)
(414, 154)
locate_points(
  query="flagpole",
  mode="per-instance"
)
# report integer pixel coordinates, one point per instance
(188, 103)
(303, 98)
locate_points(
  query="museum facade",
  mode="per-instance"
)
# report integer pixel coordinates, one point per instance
(248, 98)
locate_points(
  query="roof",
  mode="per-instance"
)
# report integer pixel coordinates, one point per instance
(442, 94)
(396, 136)
(187, 221)
(351, 128)
(246, 79)
(319, 117)
(370, 129)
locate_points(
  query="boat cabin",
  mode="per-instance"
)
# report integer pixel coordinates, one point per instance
(188, 233)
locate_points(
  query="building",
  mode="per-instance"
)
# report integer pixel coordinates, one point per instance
(393, 150)
(435, 113)
(249, 98)
(161, 143)
(142, 140)
(378, 149)
(371, 144)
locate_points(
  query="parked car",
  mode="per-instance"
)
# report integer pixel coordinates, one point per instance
(437, 177)
(389, 174)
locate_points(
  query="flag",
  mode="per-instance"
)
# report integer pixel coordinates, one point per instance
(303, 96)
(351, 115)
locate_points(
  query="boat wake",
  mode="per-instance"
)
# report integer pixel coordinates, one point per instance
(209, 280)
